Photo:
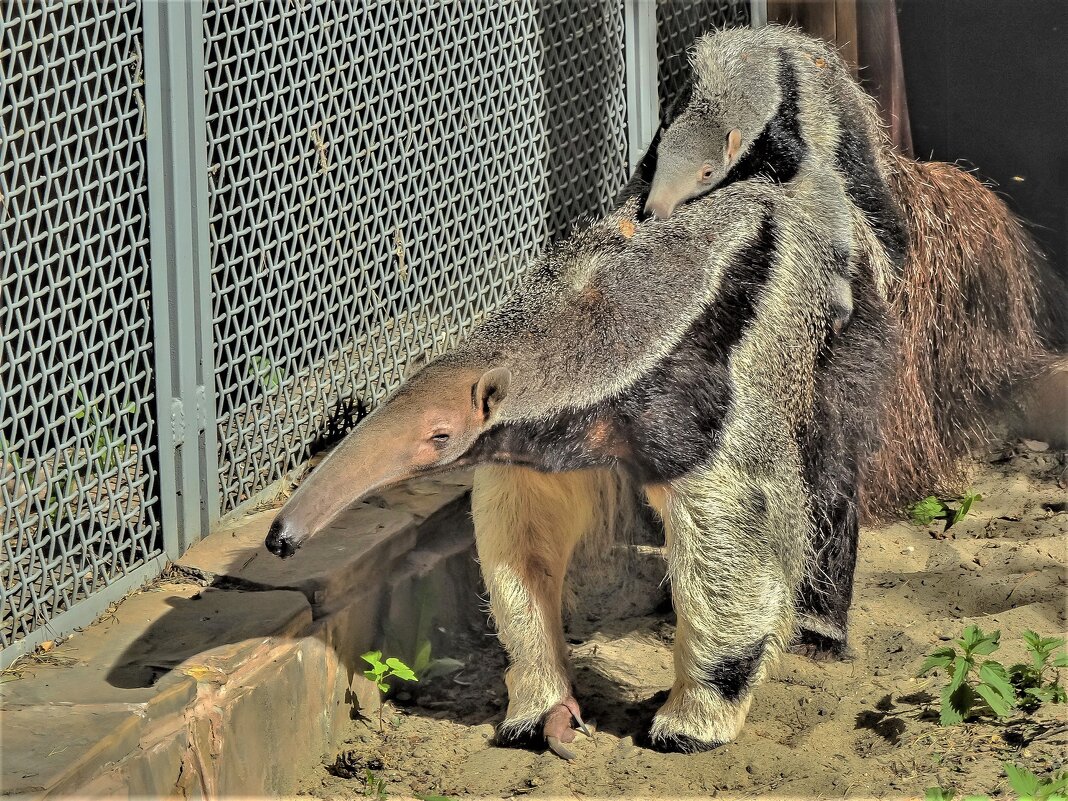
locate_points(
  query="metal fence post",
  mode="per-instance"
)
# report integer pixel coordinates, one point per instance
(181, 280)
(758, 13)
(643, 110)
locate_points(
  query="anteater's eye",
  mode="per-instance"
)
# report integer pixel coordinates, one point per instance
(707, 172)
(440, 438)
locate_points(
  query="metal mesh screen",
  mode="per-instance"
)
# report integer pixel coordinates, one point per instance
(378, 172)
(678, 24)
(76, 391)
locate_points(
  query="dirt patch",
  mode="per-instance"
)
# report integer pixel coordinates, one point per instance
(859, 727)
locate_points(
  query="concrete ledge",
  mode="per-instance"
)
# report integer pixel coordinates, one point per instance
(192, 686)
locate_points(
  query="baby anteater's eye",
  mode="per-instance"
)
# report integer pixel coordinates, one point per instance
(439, 438)
(706, 174)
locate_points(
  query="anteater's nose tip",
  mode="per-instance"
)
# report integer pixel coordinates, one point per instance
(281, 540)
(657, 209)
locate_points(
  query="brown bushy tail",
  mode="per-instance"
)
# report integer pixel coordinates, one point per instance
(968, 303)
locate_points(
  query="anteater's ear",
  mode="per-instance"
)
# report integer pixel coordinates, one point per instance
(734, 144)
(491, 389)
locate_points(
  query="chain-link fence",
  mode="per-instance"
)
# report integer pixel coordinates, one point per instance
(77, 440)
(375, 175)
(378, 173)
(678, 24)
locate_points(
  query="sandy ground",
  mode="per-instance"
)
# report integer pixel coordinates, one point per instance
(859, 727)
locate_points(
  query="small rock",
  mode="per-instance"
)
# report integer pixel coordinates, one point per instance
(1035, 445)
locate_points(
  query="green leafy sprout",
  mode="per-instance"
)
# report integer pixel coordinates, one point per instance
(1032, 682)
(426, 668)
(374, 786)
(938, 794)
(266, 372)
(380, 671)
(976, 686)
(932, 508)
(109, 445)
(104, 442)
(1030, 787)
(61, 486)
(1025, 784)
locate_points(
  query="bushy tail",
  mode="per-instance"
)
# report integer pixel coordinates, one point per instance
(969, 307)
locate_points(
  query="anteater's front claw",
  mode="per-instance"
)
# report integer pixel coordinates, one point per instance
(559, 748)
(557, 727)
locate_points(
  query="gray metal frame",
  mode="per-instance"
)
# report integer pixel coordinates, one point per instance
(178, 196)
(643, 107)
(577, 85)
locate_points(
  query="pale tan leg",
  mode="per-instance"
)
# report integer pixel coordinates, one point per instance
(526, 527)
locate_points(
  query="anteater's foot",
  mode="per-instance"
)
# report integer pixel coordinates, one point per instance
(558, 728)
(696, 717)
(818, 647)
(674, 743)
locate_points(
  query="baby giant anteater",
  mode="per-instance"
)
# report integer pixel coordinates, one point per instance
(956, 266)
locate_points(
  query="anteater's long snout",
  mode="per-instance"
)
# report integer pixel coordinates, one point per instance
(425, 427)
(361, 464)
(660, 206)
(284, 539)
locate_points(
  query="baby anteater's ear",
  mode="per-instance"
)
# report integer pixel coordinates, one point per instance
(492, 388)
(734, 144)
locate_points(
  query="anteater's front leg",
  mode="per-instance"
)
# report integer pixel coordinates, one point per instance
(733, 600)
(526, 527)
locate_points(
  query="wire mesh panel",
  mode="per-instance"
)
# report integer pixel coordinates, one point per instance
(378, 174)
(77, 479)
(582, 77)
(678, 24)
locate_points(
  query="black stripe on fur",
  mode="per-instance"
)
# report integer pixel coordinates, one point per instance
(669, 420)
(732, 675)
(836, 445)
(779, 150)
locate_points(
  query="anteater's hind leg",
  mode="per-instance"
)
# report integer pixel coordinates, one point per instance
(526, 527)
(827, 588)
(733, 600)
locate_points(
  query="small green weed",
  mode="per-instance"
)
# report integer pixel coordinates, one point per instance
(962, 696)
(1026, 785)
(380, 671)
(978, 686)
(63, 479)
(1030, 787)
(266, 372)
(374, 786)
(932, 508)
(938, 794)
(1030, 680)
(426, 668)
(109, 446)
